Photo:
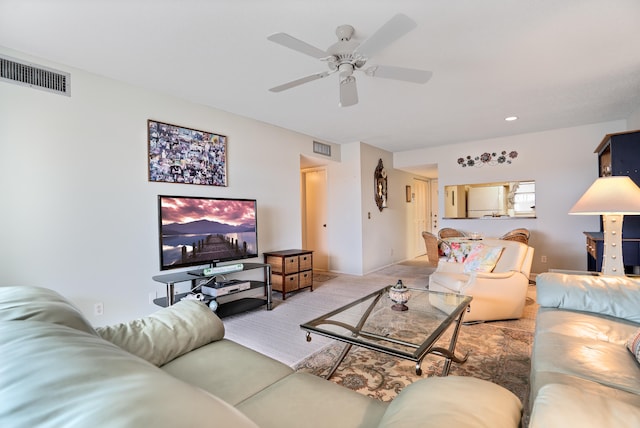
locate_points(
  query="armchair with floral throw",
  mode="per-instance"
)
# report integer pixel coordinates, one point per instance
(495, 272)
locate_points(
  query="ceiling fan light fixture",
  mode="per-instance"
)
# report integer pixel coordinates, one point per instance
(345, 69)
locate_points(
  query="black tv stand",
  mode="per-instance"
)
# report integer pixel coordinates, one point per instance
(237, 305)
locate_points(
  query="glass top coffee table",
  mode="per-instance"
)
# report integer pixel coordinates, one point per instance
(371, 323)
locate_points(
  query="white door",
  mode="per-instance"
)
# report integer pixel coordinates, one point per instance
(315, 216)
(421, 202)
(434, 206)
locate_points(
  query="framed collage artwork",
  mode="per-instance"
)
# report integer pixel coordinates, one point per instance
(188, 156)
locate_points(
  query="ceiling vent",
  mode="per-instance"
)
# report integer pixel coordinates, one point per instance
(34, 76)
(321, 148)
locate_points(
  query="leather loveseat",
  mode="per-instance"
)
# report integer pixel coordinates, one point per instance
(174, 368)
(582, 373)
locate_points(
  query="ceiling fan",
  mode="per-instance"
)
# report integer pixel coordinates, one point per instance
(347, 56)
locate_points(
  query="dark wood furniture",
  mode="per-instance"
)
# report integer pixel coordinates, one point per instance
(618, 154)
(291, 270)
(595, 249)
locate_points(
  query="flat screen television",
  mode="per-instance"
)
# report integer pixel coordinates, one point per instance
(200, 230)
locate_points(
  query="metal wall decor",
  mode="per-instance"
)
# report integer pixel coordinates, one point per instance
(487, 158)
(380, 183)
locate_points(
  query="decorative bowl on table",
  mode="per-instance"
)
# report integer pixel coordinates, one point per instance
(399, 295)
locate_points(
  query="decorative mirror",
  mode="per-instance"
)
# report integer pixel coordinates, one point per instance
(380, 183)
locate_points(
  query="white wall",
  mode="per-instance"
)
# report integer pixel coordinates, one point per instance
(362, 238)
(633, 121)
(78, 213)
(563, 164)
(386, 234)
(344, 222)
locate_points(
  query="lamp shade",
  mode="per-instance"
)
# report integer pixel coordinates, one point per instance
(615, 195)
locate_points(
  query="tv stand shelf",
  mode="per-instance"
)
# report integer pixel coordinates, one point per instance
(229, 307)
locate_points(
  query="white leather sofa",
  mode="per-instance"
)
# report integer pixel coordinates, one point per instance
(174, 368)
(582, 374)
(499, 294)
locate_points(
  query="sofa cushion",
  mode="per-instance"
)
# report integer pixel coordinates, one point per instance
(228, 370)
(633, 344)
(55, 376)
(168, 333)
(453, 401)
(304, 400)
(618, 296)
(482, 258)
(561, 406)
(586, 351)
(40, 304)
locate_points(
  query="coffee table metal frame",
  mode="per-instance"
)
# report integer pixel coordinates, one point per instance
(385, 343)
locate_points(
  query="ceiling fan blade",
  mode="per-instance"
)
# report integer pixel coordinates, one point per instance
(348, 92)
(395, 28)
(300, 81)
(399, 73)
(297, 45)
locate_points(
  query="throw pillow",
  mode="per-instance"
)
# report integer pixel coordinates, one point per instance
(482, 258)
(456, 252)
(633, 344)
(167, 333)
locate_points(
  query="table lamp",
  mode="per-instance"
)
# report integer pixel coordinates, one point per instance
(612, 197)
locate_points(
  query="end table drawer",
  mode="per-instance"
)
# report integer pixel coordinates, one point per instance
(305, 262)
(284, 265)
(285, 283)
(305, 279)
(291, 265)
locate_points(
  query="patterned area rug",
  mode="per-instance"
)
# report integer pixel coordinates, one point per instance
(498, 351)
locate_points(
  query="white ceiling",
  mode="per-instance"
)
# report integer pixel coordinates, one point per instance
(552, 63)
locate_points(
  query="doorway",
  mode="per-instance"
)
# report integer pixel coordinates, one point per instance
(421, 195)
(314, 215)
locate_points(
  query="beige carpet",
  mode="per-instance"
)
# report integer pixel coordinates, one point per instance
(277, 333)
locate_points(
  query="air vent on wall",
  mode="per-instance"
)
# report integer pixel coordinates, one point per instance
(321, 148)
(22, 73)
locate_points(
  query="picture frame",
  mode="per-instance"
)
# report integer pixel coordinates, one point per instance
(187, 156)
(408, 195)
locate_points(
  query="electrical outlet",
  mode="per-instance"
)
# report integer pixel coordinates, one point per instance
(98, 308)
(543, 259)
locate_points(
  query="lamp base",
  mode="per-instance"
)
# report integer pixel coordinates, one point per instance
(612, 263)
